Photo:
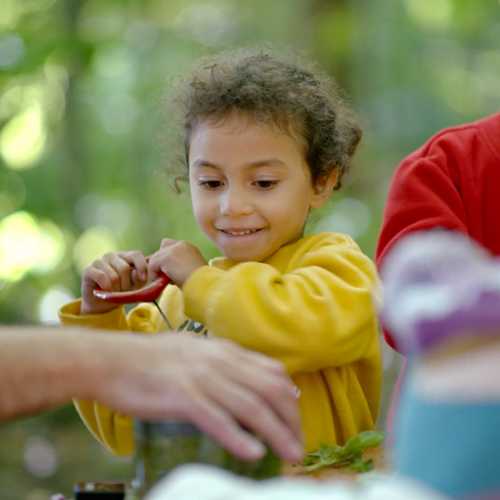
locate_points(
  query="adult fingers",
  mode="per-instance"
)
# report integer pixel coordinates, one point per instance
(269, 379)
(276, 390)
(248, 408)
(217, 422)
(252, 357)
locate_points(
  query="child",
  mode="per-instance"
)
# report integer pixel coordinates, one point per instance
(265, 142)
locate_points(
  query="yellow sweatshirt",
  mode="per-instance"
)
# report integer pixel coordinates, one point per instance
(310, 305)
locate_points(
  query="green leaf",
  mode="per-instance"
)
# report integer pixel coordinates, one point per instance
(350, 455)
(364, 440)
(309, 460)
(371, 439)
(316, 466)
(327, 453)
(361, 465)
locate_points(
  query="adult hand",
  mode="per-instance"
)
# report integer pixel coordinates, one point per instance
(177, 259)
(214, 384)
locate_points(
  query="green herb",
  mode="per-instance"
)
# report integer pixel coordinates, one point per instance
(350, 455)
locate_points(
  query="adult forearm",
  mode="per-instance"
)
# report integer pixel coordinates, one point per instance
(212, 384)
(41, 368)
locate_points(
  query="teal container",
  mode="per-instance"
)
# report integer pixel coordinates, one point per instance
(162, 446)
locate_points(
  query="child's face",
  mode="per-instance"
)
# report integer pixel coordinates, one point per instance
(250, 186)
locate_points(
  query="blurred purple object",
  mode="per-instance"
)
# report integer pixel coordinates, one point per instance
(439, 284)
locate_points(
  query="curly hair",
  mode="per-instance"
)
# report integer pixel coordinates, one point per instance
(297, 97)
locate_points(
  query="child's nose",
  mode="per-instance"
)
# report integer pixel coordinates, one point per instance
(235, 202)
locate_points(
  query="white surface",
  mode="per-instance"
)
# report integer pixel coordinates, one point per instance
(202, 482)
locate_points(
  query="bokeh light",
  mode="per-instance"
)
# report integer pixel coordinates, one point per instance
(349, 215)
(209, 23)
(95, 210)
(23, 139)
(40, 457)
(51, 302)
(8, 14)
(92, 244)
(431, 13)
(27, 244)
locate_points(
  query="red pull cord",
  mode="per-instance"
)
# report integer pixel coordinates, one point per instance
(148, 293)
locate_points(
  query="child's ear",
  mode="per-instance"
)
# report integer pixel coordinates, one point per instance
(323, 188)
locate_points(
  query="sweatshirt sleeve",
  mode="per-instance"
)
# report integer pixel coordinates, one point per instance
(318, 314)
(70, 315)
(424, 194)
(112, 429)
(143, 318)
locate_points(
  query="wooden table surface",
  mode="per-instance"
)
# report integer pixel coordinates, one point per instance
(334, 474)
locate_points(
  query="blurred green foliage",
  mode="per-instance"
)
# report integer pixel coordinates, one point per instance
(84, 146)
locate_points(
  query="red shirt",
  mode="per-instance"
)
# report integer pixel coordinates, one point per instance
(453, 182)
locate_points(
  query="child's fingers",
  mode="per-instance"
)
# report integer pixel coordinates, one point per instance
(138, 261)
(122, 268)
(94, 276)
(110, 272)
(135, 280)
(139, 267)
(154, 266)
(167, 242)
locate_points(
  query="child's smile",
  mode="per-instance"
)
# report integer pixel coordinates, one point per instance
(239, 236)
(250, 185)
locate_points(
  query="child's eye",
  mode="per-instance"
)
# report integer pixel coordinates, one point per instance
(210, 184)
(265, 183)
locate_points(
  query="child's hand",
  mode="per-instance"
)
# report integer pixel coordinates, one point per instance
(118, 271)
(177, 259)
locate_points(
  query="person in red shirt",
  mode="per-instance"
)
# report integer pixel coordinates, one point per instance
(451, 182)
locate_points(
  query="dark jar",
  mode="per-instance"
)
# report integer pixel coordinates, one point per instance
(105, 490)
(162, 446)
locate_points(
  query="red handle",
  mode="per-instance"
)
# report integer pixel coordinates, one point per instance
(146, 294)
